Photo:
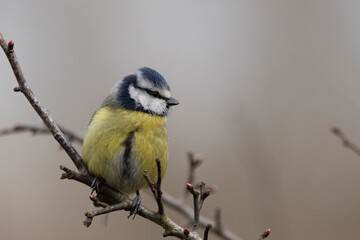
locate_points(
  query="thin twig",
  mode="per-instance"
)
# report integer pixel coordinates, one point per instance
(116, 207)
(20, 128)
(41, 111)
(195, 194)
(97, 202)
(206, 232)
(194, 162)
(156, 188)
(150, 182)
(204, 193)
(345, 140)
(198, 198)
(265, 234)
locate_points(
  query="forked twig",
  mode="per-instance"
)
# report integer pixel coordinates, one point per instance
(198, 198)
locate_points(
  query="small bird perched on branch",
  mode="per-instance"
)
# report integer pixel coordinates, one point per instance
(127, 133)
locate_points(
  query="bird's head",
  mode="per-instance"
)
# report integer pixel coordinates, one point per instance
(145, 91)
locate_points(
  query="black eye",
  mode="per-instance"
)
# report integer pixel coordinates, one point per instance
(153, 93)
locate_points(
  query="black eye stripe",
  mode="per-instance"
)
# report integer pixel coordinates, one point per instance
(155, 94)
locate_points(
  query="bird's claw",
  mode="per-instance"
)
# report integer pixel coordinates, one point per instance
(95, 185)
(135, 205)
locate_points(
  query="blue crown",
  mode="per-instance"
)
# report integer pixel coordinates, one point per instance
(154, 77)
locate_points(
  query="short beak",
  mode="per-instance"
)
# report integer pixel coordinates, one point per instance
(172, 102)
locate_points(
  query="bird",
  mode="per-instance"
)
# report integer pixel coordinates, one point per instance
(128, 132)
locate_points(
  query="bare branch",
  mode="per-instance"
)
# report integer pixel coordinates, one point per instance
(20, 128)
(116, 207)
(194, 162)
(150, 182)
(346, 142)
(167, 199)
(97, 202)
(41, 111)
(117, 201)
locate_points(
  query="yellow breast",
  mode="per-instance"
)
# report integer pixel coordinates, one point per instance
(121, 144)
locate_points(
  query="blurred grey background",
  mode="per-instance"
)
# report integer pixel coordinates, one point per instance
(259, 82)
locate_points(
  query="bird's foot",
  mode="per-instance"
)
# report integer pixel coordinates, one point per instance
(136, 205)
(96, 183)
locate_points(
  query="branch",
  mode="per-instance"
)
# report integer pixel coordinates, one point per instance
(41, 111)
(110, 195)
(346, 142)
(109, 198)
(112, 200)
(195, 161)
(168, 199)
(171, 228)
(19, 128)
(156, 188)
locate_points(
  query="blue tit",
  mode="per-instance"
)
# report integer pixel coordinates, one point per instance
(128, 132)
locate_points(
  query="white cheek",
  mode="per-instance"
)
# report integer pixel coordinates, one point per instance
(158, 106)
(148, 102)
(134, 94)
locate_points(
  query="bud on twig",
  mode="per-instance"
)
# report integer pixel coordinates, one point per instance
(205, 194)
(186, 232)
(265, 234)
(17, 89)
(10, 45)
